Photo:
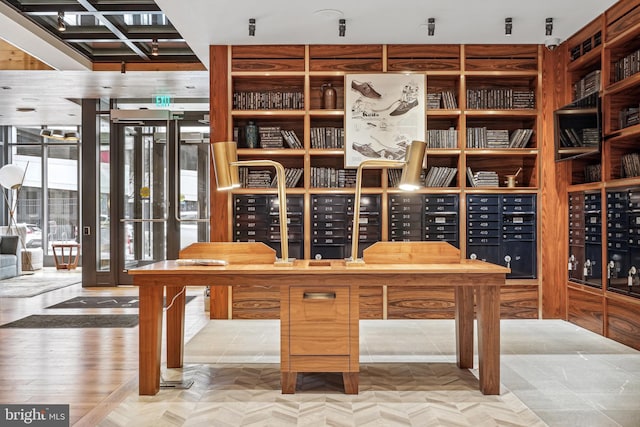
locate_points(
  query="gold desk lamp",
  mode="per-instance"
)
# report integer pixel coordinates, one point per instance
(225, 162)
(409, 181)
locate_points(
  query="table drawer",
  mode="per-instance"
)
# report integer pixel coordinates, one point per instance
(319, 320)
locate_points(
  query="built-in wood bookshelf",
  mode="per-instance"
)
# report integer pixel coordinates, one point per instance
(613, 41)
(456, 77)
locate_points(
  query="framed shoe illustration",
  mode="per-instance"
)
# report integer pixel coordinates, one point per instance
(384, 112)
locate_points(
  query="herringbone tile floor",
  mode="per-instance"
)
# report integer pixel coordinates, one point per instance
(553, 373)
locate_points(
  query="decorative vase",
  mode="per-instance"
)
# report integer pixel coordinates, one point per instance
(251, 135)
(328, 97)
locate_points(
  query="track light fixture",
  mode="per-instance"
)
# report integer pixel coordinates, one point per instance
(548, 26)
(154, 47)
(431, 26)
(252, 27)
(61, 25)
(342, 27)
(508, 26)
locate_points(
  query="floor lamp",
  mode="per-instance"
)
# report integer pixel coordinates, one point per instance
(225, 162)
(409, 181)
(12, 178)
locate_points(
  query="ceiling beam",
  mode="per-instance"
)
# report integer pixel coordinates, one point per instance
(114, 29)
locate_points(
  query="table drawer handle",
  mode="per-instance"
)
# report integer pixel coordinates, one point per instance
(319, 295)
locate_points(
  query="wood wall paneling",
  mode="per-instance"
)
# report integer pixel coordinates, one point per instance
(519, 302)
(586, 309)
(623, 322)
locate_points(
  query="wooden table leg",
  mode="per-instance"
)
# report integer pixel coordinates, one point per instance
(489, 338)
(175, 326)
(464, 326)
(288, 382)
(351, 382)
(150, 338)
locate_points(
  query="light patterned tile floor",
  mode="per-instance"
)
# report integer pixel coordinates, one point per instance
(553, 373)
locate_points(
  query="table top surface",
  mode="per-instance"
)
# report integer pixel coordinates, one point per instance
(311, 267)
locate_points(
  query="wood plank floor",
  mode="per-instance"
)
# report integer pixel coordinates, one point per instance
(92, 370)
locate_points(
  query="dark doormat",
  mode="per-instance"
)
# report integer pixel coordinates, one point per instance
(104, 302)
(45, 321)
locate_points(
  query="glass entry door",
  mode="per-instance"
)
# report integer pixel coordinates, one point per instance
(143, 208)
(163, 182)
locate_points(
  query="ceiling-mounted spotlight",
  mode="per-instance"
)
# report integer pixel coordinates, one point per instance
(154, 47)
(342, 27)
(252, 27)
(548, 26)
(508, 26)
(431, 26)
(61, 25)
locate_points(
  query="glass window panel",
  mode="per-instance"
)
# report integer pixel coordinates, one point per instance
(104, 199)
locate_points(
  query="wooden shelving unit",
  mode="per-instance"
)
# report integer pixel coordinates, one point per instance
(455, 69)
(606, 309)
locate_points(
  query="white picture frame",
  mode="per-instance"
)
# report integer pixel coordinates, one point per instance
(384, 112)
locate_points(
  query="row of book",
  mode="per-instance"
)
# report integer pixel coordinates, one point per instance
(291, 138)
(334, 178)
(587, 85)
(629, 116)
(270, 137)
(395, 175)
(440, 176)
(438, 100)
(481, 137)
(483, 178)
(291, 177)
(442, 138)
(631, 165)
(327, 137)
(254, 178)
(268, 100)
(586, 137)
(627, 66)
(500, 99)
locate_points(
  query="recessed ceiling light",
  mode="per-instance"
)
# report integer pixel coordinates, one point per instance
(328, 13)
(106, 87)
(6, 87)
(190, 87)
(25, 109)
(30, 99)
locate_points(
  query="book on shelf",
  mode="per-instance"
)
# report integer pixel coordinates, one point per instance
(268, 100)
(270, 137)
(327, 137)
(500, 99)
(482, 178)
(520, 138)
(631, 165)
(322, 177)
(442, 138)
(291, 177)
(291, 138)
(440, 176)
(395, 175)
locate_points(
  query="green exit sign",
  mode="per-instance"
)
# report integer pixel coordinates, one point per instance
(162, 100)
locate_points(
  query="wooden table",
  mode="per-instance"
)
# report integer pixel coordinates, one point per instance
(319, 312)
